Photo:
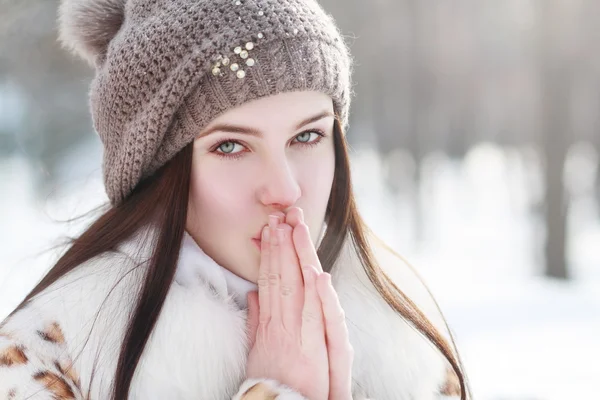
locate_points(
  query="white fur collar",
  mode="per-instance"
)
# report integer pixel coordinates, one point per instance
(198, 347)
(195, 264)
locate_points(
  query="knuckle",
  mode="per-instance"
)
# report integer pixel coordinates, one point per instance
(310, 317)
(287, 290)
(274, 279)
(263, 280)
(349, 349)
(338, 316)
(343, 349)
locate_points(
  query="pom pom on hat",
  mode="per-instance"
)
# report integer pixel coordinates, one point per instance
(86, 27)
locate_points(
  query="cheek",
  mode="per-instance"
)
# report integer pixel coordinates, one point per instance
(316, 180)
(217, 196)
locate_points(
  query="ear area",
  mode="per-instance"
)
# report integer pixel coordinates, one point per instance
(86, 27)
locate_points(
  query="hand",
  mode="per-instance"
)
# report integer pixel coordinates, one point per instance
(285, 318)
(339, 349)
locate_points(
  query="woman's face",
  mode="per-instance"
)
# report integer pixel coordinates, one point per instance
(263, 157)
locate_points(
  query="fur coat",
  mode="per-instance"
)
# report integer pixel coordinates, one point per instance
(72, 331)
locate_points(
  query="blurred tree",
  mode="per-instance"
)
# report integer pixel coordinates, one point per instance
(598, 186)
(556, 50)
(51, 84)
(420, 101)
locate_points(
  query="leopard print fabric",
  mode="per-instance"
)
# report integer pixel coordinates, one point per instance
(47, 373)
(43, 372)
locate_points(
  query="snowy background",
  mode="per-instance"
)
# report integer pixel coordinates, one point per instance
(522, 336)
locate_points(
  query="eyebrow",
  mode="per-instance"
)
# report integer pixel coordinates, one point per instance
(255, 132)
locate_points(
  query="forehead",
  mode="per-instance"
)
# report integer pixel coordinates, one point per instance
(281, 110)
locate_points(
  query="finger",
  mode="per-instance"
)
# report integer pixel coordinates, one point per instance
(294, 216)
(292, 286)
(307, 254)
(253, 317)
(312, 331)
(339, 348)
(264, 298)
(333, 313)
(274, 271)
(280, 217)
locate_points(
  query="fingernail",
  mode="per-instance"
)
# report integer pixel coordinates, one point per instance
(265, 234)
(274, 236)
(301, 214)
(280, 235)
(273, 221)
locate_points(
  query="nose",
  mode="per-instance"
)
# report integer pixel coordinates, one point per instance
(279, 187)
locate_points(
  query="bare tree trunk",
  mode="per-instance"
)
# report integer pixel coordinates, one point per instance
(556, 207)
(420, 102)
(555, 79)
(597, 191)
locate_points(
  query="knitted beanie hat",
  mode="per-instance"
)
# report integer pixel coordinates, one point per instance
(166, 68)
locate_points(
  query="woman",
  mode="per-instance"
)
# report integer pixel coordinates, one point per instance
(226, 167)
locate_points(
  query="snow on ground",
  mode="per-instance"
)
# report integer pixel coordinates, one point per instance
(521, 336)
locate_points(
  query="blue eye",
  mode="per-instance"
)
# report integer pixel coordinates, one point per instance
(227, 147)
(305, 137)
(232, 149)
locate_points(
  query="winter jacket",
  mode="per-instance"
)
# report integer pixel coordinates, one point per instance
(72, 331)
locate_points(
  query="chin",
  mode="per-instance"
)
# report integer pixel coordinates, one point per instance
(247, 270)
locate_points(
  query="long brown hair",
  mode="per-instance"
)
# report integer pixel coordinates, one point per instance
(161, 201)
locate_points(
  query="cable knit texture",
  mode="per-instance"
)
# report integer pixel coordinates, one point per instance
(156, 86)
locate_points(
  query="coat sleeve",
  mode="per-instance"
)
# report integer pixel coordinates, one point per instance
(265, 389)
(37, 369)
